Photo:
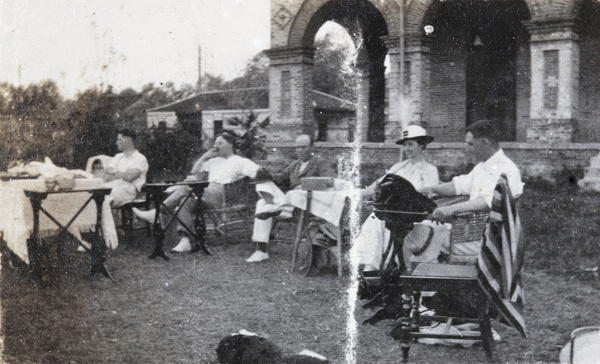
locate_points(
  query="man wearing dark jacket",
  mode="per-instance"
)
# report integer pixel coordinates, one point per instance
(275, 202)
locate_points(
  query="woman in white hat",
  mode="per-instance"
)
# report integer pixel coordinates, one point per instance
(369, 246)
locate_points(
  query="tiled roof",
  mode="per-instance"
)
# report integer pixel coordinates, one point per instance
(246, 99)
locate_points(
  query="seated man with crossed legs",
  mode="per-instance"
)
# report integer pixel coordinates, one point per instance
(223, 167)
(276, 203)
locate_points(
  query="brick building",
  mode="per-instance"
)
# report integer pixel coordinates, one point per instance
(530, 65)
(209, 111)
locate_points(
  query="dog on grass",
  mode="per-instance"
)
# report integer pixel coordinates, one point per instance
(248, 348)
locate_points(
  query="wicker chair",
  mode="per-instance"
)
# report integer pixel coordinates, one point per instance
(125, 212)
(235, 219)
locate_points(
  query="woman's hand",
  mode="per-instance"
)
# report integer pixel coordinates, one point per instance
(428, 191)
(441, 214)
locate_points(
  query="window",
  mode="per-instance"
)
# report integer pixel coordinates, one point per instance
(286, 94)
(551, 67)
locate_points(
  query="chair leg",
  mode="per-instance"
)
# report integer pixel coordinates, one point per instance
(340, 256)
(487, 339)
(405, 338)
(310, 258)
(127, 222)
(225, 230)
(148, 224)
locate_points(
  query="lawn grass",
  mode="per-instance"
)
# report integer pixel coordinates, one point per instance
(177, 311)
(560, 226)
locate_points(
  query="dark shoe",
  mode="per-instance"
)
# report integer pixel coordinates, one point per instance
(196, 248)
(267, 214)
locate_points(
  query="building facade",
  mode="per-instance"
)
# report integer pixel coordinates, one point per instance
(208, 113)
(532, 66)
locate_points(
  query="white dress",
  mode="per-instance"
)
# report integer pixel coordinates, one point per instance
(370, 244)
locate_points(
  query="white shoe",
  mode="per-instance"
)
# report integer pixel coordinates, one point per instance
(148, 216)
(257, 257)
(87, 245)
(183, 246)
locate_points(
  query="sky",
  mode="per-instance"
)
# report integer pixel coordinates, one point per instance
(128, 43)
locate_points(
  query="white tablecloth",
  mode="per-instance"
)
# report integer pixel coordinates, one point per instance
(16, 213)
(328, 205)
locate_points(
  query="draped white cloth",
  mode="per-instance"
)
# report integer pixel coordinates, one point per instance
(16, 214)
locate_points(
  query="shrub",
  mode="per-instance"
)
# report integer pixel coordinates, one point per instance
(252, 141)
(167, 152)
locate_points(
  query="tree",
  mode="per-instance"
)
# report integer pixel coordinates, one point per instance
(211, 82)
(92, 120)
(32, 123)
(134, 114)
(256, 74)
(333, 73)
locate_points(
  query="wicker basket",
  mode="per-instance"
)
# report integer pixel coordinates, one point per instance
(466, 236)
(65, 184)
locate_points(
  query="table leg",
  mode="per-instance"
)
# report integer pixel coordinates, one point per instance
(200, 223)
(199, 229)
(34, 242)
(158, 232)
(200, 235)
(98, 243)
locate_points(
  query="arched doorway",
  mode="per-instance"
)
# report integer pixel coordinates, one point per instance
(292, 59)
(479, 57)
(366, 26)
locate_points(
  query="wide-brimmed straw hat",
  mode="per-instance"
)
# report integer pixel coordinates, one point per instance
(413, 132)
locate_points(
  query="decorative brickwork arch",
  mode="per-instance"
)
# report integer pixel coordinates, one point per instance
(307, 21)
(369, 23)
(544, 10)
(415, 13)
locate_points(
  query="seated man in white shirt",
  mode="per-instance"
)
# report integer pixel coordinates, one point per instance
(482, 139)
(126, 172)
(223, 167)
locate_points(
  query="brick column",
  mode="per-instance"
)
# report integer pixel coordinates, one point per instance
(554, 48)
(393, 122)
(416, 81)
(290, 92)
(408, 97)
(362, 97)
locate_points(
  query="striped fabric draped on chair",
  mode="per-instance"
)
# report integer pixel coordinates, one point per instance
(501, 258)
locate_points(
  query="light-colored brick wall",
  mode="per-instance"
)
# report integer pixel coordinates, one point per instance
(523, 78)
(587, 128)
(298, 63)
(534, 161)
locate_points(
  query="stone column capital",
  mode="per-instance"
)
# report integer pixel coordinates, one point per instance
(287, 55)
(553, 30)
(392, 43)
